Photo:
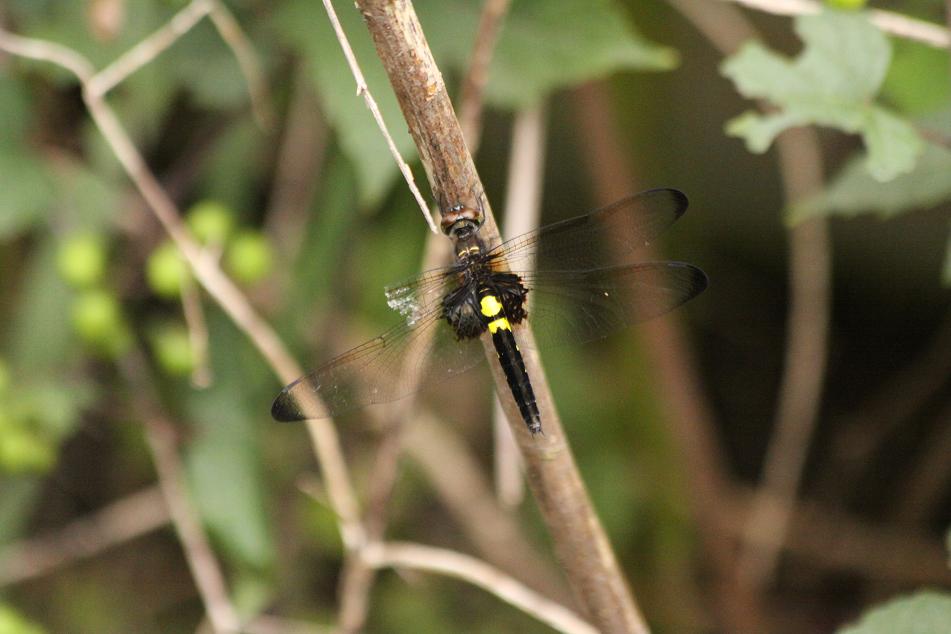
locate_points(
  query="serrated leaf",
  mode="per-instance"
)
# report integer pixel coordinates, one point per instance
(831, 83)
(854, 191)
(305, 26)
(926, 612)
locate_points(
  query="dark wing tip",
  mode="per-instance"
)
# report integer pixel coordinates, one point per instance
(698, 279)
(285, 408)
(678, 199)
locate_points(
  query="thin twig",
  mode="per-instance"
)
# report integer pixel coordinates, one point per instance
(578, 536)
(805, 358)
(478, 573)
(833, 540)
(467, 496)
(197, 333)
(258, 91)
(522, 214)
(888, 21)
(149, 48)
(161, 438)
(929, 478)
(299, 158)
(364, 91)
(117, 523)
(472, 101)
(808, 320)
(207, 272)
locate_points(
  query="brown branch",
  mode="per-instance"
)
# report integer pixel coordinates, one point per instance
(162, 441)
(805, 359)
(830, 539)
(121, 521)
(471, 100)
(453, 564)
(580, 541)
(467, 496)
(930, 475)
(680, 388)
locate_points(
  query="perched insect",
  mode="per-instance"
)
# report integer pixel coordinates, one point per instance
(583, 287)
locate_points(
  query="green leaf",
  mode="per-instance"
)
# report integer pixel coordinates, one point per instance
(831, 83)
(305, 26)
(919, 78)
(854, 191)
(544, 46)
(926, 612)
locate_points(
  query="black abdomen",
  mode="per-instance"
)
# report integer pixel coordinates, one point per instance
(510, 357)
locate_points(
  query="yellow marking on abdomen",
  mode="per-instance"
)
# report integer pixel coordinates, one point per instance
(491, 306)
(499, 324)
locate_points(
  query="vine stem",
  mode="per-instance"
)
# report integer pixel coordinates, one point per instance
(579, 539)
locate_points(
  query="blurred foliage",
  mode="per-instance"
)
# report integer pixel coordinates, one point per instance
(922, 613)
(87, 277)
(841, 68)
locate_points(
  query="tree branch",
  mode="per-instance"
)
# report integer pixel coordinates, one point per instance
(579, 539)
(453, 564)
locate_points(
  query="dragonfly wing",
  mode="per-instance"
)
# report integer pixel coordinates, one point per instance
(589, 305)
(389, 367)
(607, 235)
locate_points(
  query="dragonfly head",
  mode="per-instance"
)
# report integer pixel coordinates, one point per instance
(460, 217)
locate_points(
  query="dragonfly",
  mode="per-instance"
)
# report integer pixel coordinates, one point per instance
(584, 284)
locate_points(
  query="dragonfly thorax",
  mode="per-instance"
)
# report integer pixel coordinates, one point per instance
(463, 307)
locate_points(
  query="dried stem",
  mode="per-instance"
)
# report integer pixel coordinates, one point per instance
(471, 101)
(805, 359)
(833, 540)
(121, 521)
(468, 498)
(205, 269)
(357, 578)
(447, 562)
(891, 23)
(161, 437)
(680, 387)
(580, 542)
(364, 91)
(522, 214)
(149, 48)
(258, 91)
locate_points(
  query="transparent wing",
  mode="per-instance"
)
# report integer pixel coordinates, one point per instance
(597, 239)
(588, 305)
(386, 368)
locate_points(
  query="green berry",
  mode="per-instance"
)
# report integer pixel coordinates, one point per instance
(96, 316)
(166, 271)
(82, 260)
(173, 350)
(249, 256)
(211, 221)
(22, 451)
